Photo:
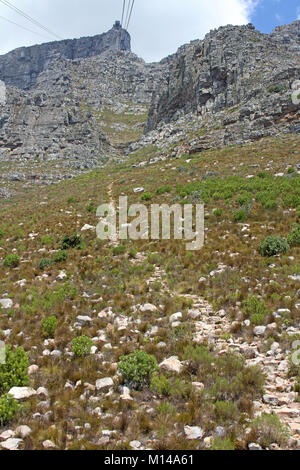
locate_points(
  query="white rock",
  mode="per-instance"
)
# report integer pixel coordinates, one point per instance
(254, 446)
(193, 432)
(148, 308)
(6, 303)
(104, 384)
(126, 394)
(259, 330)
(32, 369)
(84, 319)
(61, 276)
(11, 444)
(49, 445)
(87, 227)
(175, 317)
(172, 364)
(7, 434)
(194, 313)
(20, 393)
(94, 349)
(42, 391)
(23, 431)
(138, 190)
(135, 444)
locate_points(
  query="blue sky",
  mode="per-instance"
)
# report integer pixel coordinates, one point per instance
(270, 13)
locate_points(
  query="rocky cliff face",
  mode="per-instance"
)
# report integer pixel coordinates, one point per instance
(80, 111)
(21, 67)
(236, 83)
(79, 102)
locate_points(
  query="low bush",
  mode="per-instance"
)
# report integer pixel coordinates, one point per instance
(147, 197)
(294, 237)
(273, 245)
(161, 385)
(222, 444)
(81, 346)
(240, 216)
(72, 241)
(255, 309)
(60, 256)
(119, 250)
(8, 408)
(137, 368)
(45, 263)
(268, 429)
(14, 372)
(11, 261)
(49, 325)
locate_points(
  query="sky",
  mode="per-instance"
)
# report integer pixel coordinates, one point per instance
(157, 27)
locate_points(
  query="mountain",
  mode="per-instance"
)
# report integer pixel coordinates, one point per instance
(139, 344)
(82, 101)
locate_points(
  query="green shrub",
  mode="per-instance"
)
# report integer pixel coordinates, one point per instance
(269, 429)
(47, 240)
(294, 237)
(257, 319)
(60, 256)
(222, 444)
(91, 208)
(273, 245)
(240, 216)
(147, 197)
(255, 309)
(163, 190)
(161, 385)
(1, 234)
(11, 261)
(137, 368)
(291, 200)
(119, 250)
(72, 241)
(49, 325)
(225, 411)
(81, 346)
(14, 372)
(218, 212)
(244, 198)
(45, 263)
(8, 408)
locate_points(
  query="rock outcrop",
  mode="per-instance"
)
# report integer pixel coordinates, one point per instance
(21, 67)
(79, 102)
(237, 83)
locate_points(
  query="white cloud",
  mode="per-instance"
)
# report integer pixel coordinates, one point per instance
(158, 27)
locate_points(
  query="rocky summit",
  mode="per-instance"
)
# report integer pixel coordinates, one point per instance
(140, 344)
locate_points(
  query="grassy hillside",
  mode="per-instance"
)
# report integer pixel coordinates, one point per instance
(223, 292)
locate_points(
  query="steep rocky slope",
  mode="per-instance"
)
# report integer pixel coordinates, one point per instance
(235, 86)
(21, 67)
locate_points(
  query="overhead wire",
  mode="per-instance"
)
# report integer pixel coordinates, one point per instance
(132, 5)
(123, 11)
(127, 13)
(23, 27)
(29, 18)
